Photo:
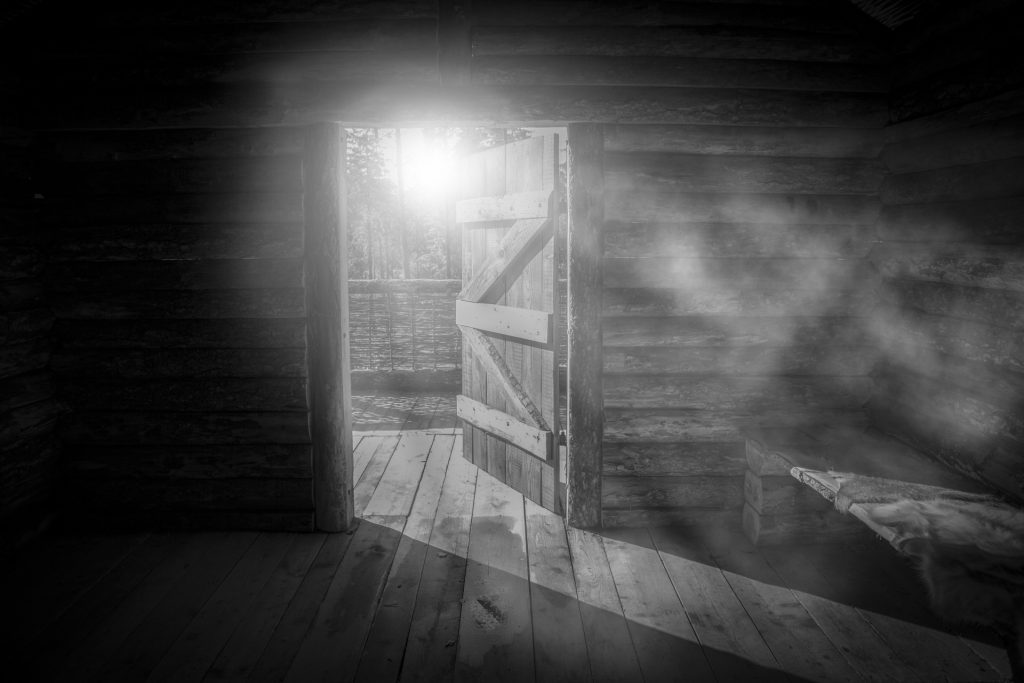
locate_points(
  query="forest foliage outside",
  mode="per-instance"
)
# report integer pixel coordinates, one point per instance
(399, 206)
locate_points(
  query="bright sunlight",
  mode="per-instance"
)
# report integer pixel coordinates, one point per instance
(428, 165)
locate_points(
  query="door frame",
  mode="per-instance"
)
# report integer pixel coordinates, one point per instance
(328, 375)
(327, 325)
(585, 391)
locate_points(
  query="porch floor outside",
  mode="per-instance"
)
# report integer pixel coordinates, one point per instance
(432, 410)
(451, 576)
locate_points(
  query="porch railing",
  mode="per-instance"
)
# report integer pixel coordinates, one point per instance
(404, 327)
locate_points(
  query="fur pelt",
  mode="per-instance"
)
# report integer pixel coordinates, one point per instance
(971, 556)
(857, 488)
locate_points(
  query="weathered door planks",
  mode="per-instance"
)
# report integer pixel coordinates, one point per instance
(508, 315)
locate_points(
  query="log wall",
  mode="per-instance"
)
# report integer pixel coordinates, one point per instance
(28, 408)
(177, 280)
(735, 280)
(950, 322)
(175, 198)
(740, 172)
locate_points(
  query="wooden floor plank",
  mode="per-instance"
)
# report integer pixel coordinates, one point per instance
(393, 497)
(382, 655)
(330, 649)
(55, 586)
(902, 577)
(88, 659)
(434, 629)
(533, 594)
(731, 641)
(239, 655)
(276, 659)
(55, 644)
(858, 642)
(334, 644)
(917, 633)
(496, 632)
(357, 438)
(362, 453)
(559, 645)
(198, 646)
(609, 644)
(795, 639)
(139, 653)
(665, 642)
(366, 485)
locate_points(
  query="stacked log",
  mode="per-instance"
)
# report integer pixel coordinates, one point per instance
(28, 408)
(951, 259)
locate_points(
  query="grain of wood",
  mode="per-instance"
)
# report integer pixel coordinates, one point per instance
(745, 140)
(393, 496)
(844, 595)
(736, 239)
(585, 239)
(935, 651)
(659, 71)
(559, 643)
(195, 650)
(521, 296)
(609, 644)
(325, 275)
(860, 644)
(97, 557)
(791, 634)
(362, 453)
(335, 637)
(734, 647)
(149, 642)
(434, 630)
(652, 459)
(990, 221)
(237, 659)
(416, 102)
(184, 304)
(674, 41)
(665, 641)
(383, 652)
(374, 470)
(836, 360)
(654, 207)
(290, 630)
(496, 633)
(45, 621)
(89, 657)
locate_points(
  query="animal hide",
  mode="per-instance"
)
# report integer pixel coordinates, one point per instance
(969, 547)
(856, 488)
(971, 556)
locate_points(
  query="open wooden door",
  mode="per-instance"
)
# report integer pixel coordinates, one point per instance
(508, 312)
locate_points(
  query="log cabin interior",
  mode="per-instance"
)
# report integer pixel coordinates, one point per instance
(790, 440)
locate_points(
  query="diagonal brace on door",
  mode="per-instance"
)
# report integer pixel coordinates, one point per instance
(496, 367)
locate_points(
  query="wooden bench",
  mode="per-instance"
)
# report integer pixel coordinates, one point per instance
(969, 543)
(790, 498)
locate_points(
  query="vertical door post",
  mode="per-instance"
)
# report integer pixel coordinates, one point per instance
(326, 281)
(585, 414)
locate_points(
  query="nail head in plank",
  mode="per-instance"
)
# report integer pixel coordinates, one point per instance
(516, 246)
(506, 207)
(495, 366)
(521, 323)
(535, 441)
